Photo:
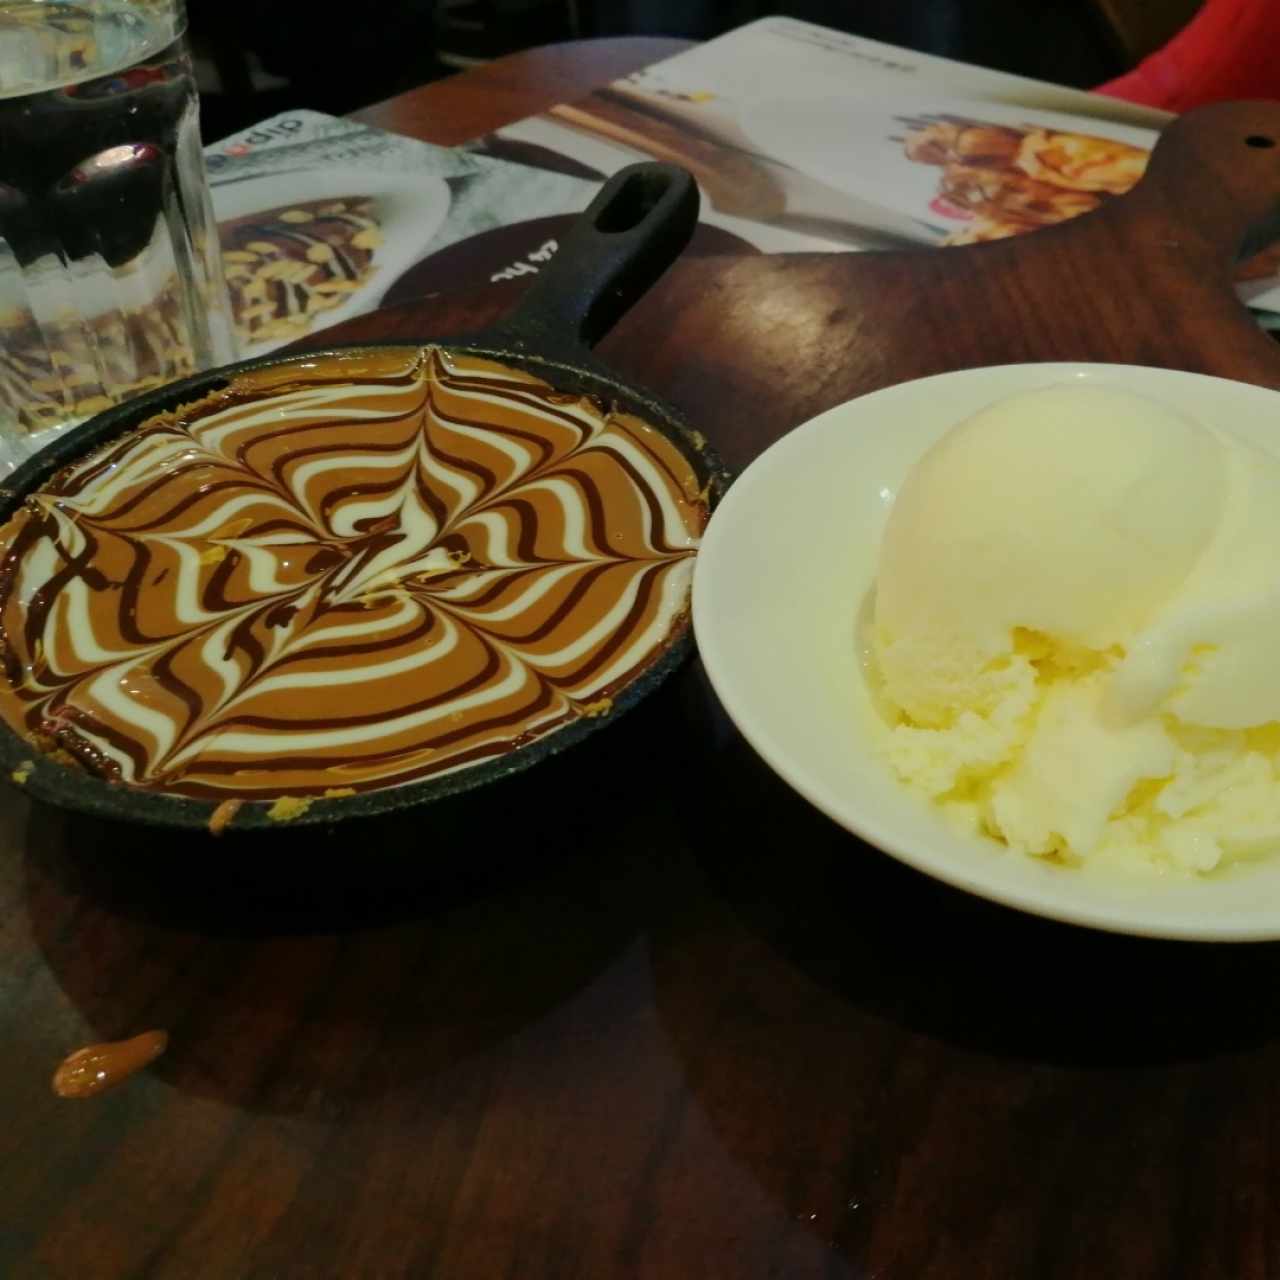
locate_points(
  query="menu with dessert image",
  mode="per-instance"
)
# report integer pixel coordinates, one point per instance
(322, 219)
(801, 138)
(804, 137)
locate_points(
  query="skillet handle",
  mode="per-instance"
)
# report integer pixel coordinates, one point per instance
(626, 238)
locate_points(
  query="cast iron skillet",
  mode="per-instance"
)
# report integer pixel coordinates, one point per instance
(631, 232)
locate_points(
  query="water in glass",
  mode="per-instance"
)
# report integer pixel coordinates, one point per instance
(110, 278)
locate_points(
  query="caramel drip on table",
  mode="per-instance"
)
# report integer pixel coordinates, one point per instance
(98, 1067)
(344, 574)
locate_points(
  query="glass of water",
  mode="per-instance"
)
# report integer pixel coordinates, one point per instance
(110, 278)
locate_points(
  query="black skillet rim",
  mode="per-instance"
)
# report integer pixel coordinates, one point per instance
(83, 793)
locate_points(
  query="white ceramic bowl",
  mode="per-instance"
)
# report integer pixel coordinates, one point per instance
(786, 565)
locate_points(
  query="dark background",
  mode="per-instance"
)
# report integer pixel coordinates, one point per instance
(261, 59)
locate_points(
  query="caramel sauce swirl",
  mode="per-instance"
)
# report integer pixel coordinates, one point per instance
(343, 574)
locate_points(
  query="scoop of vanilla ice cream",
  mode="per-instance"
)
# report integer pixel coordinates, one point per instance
(1076, 621)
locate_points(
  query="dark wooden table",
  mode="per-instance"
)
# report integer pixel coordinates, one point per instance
(642, 1012)
(487, 97)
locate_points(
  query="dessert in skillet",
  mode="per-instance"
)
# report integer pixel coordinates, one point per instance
(343, 575)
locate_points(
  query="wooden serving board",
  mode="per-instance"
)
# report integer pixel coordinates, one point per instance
(750, 346)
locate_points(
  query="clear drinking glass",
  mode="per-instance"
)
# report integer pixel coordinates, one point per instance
(110, 277)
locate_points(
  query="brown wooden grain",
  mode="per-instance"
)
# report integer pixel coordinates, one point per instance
(664, 1020)
(465, 106)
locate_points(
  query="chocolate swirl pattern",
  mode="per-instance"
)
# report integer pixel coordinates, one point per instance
(343, 575)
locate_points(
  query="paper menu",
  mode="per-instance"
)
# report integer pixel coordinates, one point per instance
(322, 219)
(787, 58)
(803, 137)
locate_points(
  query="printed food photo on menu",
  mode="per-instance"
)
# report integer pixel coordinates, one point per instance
(287, 266)
(999, 180)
